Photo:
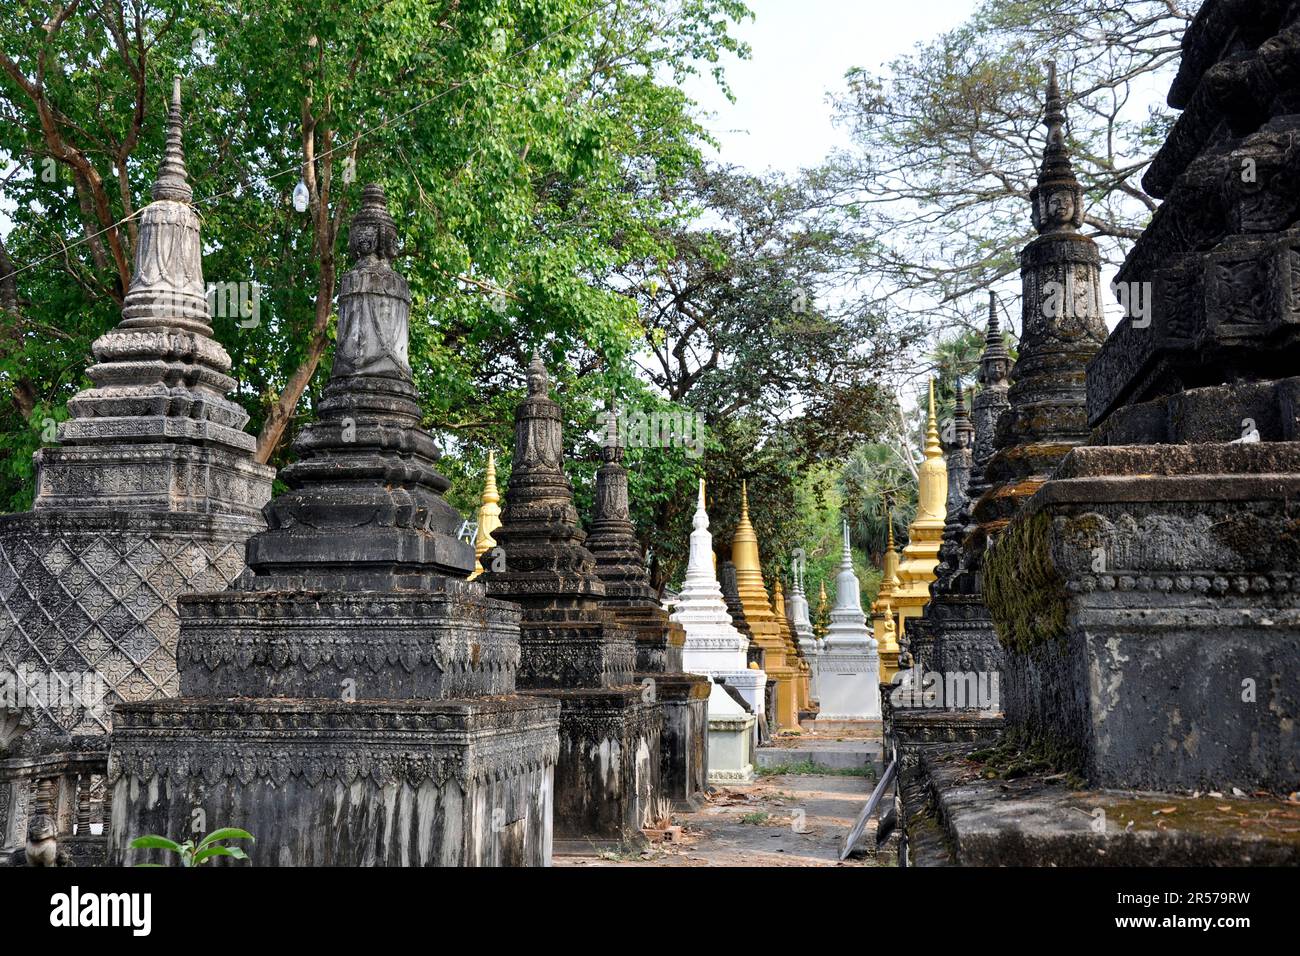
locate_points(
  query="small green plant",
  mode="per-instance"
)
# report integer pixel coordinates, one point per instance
(756, 818)
(808, 768)
(196, 854)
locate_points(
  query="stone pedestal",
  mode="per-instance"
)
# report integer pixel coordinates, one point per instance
(731, 740)
(330, 782)
(1151, 614)
(572, 649)
(350, 702)
(849, 672)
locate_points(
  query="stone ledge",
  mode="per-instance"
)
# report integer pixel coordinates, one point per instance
(1040, 821)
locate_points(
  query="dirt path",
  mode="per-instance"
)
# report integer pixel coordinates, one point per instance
(787, 820)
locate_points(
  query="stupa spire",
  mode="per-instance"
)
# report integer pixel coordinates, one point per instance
(160, 380)
(1058, 198)
(173, 179)
(366, 461)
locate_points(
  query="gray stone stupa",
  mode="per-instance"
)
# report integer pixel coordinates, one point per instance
(149, 494)
(573, 650)
(684, 698)
(350, 702)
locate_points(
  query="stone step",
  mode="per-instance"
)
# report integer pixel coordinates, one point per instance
(830, 755)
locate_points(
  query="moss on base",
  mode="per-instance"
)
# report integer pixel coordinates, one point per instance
(1023, 590)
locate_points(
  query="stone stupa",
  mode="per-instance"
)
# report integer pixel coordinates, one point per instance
(714, 647)
(849, 676)
(351, 700)
(809, 647)
(572, 648)
(149, 493)
(660, 643)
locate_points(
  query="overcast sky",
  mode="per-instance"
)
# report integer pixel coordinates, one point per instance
(801, 50)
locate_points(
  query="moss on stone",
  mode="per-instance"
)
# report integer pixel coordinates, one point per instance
(1017, 755)
(1024, 591)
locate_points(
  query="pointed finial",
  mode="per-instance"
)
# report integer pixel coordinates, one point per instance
(932, 446)
(744, 500)
(173, 180)
(847, 556)
(701, 503)
(701, 519)
(490, 493)
(995, 349)
(1057, 198)
(1055, 106)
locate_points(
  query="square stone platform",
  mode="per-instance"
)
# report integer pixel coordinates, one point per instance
(330, 783)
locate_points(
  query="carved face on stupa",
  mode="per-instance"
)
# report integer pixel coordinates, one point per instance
(364, 241)
(1060, 207)
(536, 377)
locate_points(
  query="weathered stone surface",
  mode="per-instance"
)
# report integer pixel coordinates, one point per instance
(660, 643)
(1194, 593)
(345, 700)
(1146, 594)
(323, 782)
(571, 648)
(1031, 820)
(149, 493)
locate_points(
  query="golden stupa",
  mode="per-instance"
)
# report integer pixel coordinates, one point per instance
(489, 515)
(803, 677)
(758, 614)
(883, 625)
(920, 558)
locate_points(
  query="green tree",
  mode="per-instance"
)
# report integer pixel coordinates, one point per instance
(512, 139)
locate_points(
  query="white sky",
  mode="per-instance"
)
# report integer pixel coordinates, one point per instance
(801, 50)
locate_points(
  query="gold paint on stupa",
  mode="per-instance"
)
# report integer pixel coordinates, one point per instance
(489, 515)
(758, 614)
(803, 679)
(883, 624)
(916, 569)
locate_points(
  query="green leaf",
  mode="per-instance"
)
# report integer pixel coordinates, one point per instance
(228, 833)
(154, 842)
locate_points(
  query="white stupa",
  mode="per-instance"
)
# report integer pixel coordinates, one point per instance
(715, 647)
(803, 629)
(849, 672)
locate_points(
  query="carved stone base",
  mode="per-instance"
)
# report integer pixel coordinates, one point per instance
(580, 648)
(608, 769)
(95, 593)
(446, 640)
(1150, 604)
(153, 477)
(328, 783)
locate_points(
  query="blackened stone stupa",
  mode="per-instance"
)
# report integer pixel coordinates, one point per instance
(350, 701)
(150, 493)
(620, 564)
(1155, 632)
(955, 636)
(572, 649)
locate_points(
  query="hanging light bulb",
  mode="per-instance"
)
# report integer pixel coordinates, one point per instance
(300, 197)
